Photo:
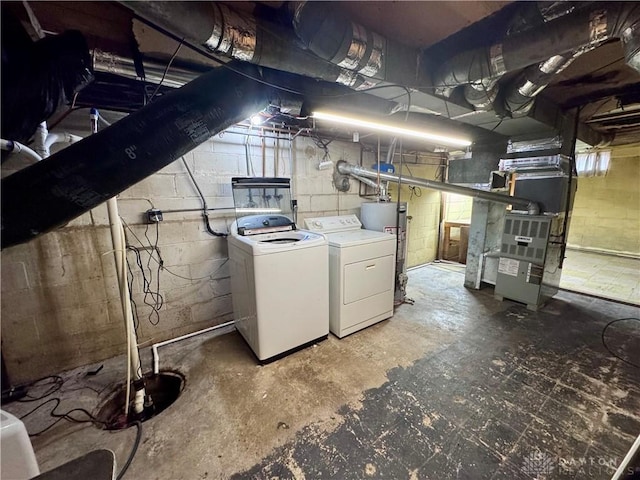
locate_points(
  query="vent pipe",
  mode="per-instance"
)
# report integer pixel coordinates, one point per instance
(349, 169)
(56, 190)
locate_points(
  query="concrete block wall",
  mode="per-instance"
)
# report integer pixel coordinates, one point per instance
(60, 303)
(606, 212)
(457, 207)
(423, 208)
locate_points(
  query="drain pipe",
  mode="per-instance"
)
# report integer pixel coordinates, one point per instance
(17, 147)
(349, 169)
(120, 254)
(44, 140)
(155, 346)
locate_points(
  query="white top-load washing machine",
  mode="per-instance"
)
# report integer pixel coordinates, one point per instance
(279, 274)
(361, 273)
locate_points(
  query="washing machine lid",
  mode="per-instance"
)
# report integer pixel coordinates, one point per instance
(275, 242)
(261, 198)
(358, 237)
(260, 224)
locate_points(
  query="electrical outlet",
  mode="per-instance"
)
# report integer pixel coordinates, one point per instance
(154, 215)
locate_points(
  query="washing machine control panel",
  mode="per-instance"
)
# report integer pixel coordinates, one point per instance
(339, 223)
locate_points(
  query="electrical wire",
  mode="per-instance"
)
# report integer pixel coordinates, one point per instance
(165, 268)
(210, 276)
(156, 299)
(497, 125)
(134, 449)
(205, 208)
(415, 191)
(61, 416)
(164, 74)
(604, 343)
(56, 385)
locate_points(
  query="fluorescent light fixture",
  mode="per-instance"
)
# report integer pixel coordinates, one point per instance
(392, 129)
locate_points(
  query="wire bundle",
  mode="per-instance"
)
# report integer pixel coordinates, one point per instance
(56, 385)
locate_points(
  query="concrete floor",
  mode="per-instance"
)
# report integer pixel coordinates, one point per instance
(457, 386)
(607, 276)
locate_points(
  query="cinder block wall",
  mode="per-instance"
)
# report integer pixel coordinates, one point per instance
(423, 206)
(60, 301)
(606, 213)
(458, 208)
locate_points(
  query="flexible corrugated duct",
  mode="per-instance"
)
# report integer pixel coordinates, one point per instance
(87, 173)
(586, 28)
(481, 94)
(518, 96)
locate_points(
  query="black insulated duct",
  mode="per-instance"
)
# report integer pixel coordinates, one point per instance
(329, 34)
(56, 190)
(571, 34)
(38, 77)
(483, 93)
(360, 52)
(518, 96)
(218, 29)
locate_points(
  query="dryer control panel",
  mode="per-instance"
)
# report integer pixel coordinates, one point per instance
(341, 223)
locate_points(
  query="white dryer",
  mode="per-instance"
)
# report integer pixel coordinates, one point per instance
(361, 273)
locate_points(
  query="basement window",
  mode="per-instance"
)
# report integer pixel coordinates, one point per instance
(593, 164)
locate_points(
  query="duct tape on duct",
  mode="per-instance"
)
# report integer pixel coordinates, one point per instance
(598, 26)
(497, 60)
(356, 50)
(631, 44)
(376, 57)
(347, 77)
(233, 35)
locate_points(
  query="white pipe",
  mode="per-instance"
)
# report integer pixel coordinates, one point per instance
(119, 248)
(17, 147)
(40, 140)
(64, 137)
(626, 463)
(120, 254)
(155, 346)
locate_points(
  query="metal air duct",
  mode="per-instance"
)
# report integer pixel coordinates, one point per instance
(218, 29)
(87, 173)
(567, 35)
(359, 51)
(349, 169)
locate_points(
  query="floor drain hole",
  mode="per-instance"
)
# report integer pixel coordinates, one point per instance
(162, 390)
